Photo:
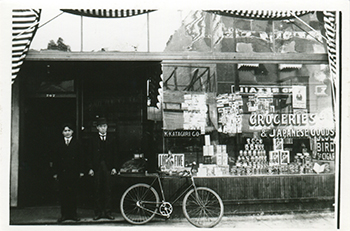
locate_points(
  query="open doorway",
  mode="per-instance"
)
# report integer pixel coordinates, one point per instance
(42, 127)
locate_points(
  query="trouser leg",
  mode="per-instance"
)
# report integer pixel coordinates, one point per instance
(97, 193)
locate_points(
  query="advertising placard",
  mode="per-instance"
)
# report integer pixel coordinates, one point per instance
(299, 96)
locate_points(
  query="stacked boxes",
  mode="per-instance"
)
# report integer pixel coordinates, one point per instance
(215, 160)
(208, 150)
(220, 157)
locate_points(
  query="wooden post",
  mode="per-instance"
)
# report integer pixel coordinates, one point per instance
(14, 145)
(236, 87)
(148, 46)
(8, 154)
(81, 34)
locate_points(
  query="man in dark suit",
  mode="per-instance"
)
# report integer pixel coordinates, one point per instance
(67, 167)
(102, 167)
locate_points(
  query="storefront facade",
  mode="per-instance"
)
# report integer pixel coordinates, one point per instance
(267, 127)
(253, 116)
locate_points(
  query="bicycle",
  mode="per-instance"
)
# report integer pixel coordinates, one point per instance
(201, 206)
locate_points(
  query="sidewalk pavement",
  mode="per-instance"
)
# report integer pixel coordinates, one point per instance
(325, 220)
(48, 215)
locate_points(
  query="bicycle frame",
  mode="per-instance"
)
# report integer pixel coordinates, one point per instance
(158, 179)
(201, 206)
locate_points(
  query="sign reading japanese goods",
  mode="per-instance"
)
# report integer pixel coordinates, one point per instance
(181, 133)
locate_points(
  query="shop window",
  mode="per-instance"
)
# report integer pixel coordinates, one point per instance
(272, 123)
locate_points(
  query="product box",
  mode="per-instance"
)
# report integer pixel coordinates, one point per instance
(224, 159)
(217, 148)
(207, 140)
(220, 159)
(274, 158)
(220, 148)
(225, 169)
(224, 148)
(208, 150)
(277, 144)
(284, 157)
(218, 171)
(210, 169)
(202, 171)
(207, 160)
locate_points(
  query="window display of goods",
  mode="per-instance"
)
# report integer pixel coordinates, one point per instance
(252, 160)
(230, 109)
(135, 165)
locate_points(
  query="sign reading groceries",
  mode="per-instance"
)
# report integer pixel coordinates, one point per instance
(281, 119)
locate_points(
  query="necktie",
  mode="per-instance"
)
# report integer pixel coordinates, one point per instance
(67, 142)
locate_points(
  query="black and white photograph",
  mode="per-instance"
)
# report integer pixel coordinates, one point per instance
(174, 115)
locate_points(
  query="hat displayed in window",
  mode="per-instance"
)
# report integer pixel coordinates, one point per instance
(101, 121)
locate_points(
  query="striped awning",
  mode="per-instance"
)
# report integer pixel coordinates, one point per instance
(329, 18)
(24, 25)
(260, 14)
(107, 13)
(330, 32)
(289, 66)
(247, 66)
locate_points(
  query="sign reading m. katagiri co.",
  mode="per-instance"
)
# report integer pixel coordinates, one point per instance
(181, 133)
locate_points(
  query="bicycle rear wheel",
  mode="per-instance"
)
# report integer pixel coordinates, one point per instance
(139, 203)
(203, 210)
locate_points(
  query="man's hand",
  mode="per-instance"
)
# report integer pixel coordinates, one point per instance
(81, 175)
(113, 172)
(91, 172)
(55, 176)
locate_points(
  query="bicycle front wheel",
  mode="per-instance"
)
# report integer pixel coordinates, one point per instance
(139, 204)
(203, 207)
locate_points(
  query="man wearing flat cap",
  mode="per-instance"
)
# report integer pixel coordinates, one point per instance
(102, 165)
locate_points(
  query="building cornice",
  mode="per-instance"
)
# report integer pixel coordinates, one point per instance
(180, 57)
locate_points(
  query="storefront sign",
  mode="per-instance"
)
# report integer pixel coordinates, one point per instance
(181, 133)
(267, 89)
(325, 150)
(323, 145)
(281, 119)
(321, 134)
(175, 161)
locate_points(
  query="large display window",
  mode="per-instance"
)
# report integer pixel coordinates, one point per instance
(281, 124)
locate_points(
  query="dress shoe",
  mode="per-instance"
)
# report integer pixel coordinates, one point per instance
(63, 218)
(109, 217)
(75, 218)
(97, 217)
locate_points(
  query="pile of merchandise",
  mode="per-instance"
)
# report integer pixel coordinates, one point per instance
(215, 160)
(252, 160)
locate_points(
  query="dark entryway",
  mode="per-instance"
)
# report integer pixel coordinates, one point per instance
(43, 122)
(52, 93)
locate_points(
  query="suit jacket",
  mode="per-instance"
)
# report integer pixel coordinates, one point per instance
(67, 160)
(96, 153)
